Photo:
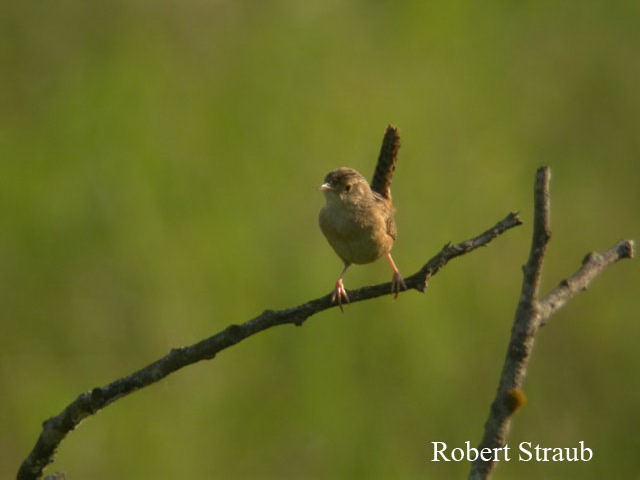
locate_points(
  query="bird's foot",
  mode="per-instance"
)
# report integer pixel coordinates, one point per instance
(340, 294)
(397, 284)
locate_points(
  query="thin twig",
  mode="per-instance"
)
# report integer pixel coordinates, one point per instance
(593, 265)
(531, 313)
(56, 428)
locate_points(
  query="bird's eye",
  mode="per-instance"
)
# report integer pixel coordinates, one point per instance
(347, 188)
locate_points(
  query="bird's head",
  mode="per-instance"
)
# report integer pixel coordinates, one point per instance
(345, 185)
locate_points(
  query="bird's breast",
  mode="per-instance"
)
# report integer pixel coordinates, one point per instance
(358, 234)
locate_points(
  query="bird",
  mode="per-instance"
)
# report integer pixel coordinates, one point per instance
(358, 218)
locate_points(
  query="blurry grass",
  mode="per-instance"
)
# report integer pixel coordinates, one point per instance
(157, 183)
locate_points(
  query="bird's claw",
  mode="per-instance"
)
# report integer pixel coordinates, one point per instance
(339, 294)
(397, 284)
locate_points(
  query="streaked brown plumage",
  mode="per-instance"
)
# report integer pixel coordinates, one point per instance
(357, 218)
(386, 165)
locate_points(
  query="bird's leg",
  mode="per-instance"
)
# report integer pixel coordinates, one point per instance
(340, 293)
(397, 282)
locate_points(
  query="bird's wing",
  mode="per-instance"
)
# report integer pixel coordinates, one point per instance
(387, 160)
(391, 227)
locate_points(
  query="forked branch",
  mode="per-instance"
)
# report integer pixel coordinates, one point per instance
(531, 314)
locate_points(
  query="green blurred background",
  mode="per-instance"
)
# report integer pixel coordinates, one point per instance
(158, 165)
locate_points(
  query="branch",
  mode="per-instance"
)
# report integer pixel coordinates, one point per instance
(593, 265)
(531, 314)
(56, 428)
(541, 236)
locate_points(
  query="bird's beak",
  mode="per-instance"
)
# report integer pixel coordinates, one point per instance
(324, 187)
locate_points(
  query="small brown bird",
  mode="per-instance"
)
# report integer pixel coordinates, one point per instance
(358, 218)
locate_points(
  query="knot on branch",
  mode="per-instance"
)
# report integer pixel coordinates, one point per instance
(97, 400)
(627, 249)
(514, 217)
(234, 332)
(590, 257)
(514, 400)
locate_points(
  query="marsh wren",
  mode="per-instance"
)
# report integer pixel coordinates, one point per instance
(357, 218)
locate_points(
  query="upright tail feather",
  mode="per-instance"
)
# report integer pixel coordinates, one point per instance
(387, 160)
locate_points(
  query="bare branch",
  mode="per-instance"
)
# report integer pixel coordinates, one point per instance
(56, 428)
(522, 333)
(592, 266)
(530, 315)
(541, 236)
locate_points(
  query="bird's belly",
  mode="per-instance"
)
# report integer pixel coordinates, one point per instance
(360, 250)
(355, 241)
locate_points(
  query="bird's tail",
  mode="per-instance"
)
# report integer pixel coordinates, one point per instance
(387, 160)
